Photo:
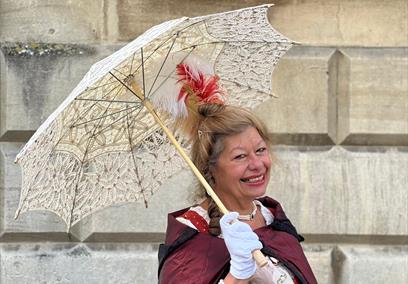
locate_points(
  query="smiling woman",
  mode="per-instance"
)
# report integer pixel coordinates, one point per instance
(232, 151)
(242, 171)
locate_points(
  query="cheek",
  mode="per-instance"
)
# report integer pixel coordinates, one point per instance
(218, 174)
(267, 162)
(239, 172)
(228, 174)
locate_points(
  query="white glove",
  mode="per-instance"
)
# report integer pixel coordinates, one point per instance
(241, 241)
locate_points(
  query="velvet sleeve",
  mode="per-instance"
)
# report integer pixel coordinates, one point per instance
(201, 260)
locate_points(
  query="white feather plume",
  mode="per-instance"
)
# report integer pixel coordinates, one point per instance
(166, 89)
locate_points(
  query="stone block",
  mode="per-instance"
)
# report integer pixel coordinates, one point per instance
(373, 96)
(51, 21)
(318, 22)
(135, 17)
(341, 191)
(304, 112)
(33, 225)
(371, 264)
(35, 79)
(11, 173)
(134, 222)
(342, 23)
(78, 263)
(320, 260)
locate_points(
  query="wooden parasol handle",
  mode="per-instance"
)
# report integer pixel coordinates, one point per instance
(257, 254)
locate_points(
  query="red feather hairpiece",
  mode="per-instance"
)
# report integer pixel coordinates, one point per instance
(196, 89)
(204, 88)
(181, 95)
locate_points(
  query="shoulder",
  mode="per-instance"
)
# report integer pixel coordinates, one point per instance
(274, 206)
(196, 217)
(187, 259)
(280, 222)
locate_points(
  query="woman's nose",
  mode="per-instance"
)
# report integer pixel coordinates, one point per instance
(255, 162)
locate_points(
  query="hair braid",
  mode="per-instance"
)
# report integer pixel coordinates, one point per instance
(215, 216)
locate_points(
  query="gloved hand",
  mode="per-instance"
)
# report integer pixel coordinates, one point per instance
(241, 241)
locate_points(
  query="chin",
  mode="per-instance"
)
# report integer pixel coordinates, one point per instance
(262, 193)
(255, 193)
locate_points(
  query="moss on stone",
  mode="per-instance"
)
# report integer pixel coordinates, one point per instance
(42, 49)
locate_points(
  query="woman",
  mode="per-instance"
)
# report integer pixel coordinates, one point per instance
(231, 150)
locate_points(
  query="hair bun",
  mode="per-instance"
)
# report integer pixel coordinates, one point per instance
(189, 126)
(208, 110)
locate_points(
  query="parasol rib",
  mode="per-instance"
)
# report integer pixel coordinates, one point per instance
(91, 139)
(176, 33)
(100, 117)
(107, 101)
(80, 117)
(112, 123)
(143, 73)
(169, 75)
(128, 126)
(161, 67)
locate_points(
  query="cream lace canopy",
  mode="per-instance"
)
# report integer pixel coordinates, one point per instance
(101, 147)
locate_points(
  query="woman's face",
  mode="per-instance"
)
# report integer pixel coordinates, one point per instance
(242, 169)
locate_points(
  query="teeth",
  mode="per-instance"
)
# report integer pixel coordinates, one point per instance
(253, 179)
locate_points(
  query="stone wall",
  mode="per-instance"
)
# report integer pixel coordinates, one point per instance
(340, 127)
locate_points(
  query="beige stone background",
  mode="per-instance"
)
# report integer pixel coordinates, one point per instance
(340, 127)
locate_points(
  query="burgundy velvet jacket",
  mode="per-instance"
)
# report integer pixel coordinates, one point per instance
(200, 258)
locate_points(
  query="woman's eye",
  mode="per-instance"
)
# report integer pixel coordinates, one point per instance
(261, 150)
(239, 157)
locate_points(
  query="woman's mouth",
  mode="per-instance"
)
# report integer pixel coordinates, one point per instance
(253, 180)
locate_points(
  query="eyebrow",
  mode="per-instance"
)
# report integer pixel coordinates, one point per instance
(241, 148)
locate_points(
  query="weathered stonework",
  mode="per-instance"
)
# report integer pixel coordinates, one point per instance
(356, 190)
(134, 17)
(51, 21)
(114, 262)
(78, 263)
(303, 111)
(37, 78)
(320, 260)
(367, 23)
(315, 22)
(373, 97)
(373, 264)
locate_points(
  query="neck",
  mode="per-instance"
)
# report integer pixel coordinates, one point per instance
(242, 206)
(250, 216)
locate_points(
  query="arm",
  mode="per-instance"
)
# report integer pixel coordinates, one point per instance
(199, 260)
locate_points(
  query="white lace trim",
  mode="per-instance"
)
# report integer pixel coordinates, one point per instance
(198, 209)
(266, 213)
